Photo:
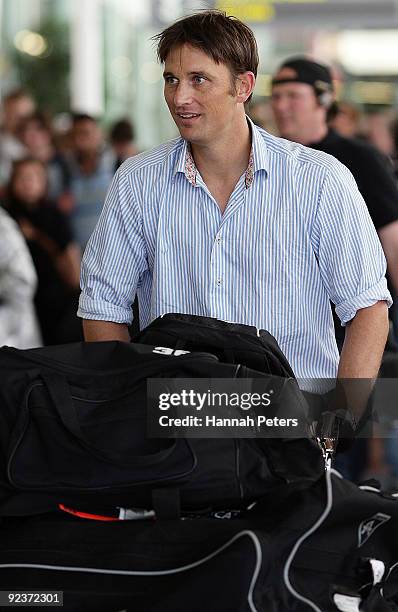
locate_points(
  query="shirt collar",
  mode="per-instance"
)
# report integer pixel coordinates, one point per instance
(259, 148)
(258, 159)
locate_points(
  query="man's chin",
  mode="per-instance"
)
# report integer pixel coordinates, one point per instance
(194, 136)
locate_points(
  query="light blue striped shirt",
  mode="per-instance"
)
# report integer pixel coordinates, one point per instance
(296, 235)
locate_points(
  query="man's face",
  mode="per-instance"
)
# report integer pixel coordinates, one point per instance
(200, 95)
(87, 136)
(296, 108)
(15, 111)
(35, 136)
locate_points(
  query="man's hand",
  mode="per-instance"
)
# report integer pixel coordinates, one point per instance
(96, 331)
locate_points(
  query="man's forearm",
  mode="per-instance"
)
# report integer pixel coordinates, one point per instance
(361, 356)
(365, 339)
(95, 331)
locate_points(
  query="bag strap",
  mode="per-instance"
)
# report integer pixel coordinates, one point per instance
(60, 395)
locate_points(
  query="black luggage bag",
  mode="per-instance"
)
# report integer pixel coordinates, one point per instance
(230, 342)
(73, 431)
(300, 553)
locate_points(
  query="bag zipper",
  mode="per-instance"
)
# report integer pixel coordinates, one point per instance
(59, 366)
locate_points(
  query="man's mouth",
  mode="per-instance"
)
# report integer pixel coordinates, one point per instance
(188, 115)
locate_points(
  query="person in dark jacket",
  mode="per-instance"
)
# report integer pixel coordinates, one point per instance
(56, 257)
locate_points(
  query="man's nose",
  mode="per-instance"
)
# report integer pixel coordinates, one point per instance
(183, 94)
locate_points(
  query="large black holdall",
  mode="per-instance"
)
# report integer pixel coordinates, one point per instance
(73, 431)
(329, 548)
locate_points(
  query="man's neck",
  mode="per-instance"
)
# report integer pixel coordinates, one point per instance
(228, 158)
(315, 135)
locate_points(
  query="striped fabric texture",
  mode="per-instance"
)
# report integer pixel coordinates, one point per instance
(293, 236)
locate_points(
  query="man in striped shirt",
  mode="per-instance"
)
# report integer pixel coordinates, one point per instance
(230, 222)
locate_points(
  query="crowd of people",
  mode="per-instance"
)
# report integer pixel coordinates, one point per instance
(53, 186)
(53, 189)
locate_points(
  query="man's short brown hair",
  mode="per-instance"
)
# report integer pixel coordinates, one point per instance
(223, 38)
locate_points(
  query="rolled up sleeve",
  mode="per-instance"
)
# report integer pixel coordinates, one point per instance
(115, 257)
(350, 256)
(348, 309)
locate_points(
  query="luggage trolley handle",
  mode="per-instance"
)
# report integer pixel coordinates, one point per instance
(59, 392)
(334, 427)
(327, 436)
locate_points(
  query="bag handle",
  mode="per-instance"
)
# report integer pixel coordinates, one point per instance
(59, 392)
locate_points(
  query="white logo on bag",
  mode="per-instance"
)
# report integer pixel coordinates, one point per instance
(164, 350)
(346, 603)
(366, 528)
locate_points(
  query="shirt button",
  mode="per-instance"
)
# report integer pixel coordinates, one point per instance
(218, 239)
(219, 282)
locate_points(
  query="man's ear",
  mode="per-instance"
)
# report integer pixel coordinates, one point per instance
(245, 85)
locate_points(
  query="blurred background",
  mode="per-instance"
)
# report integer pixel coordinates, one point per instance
(95, 56)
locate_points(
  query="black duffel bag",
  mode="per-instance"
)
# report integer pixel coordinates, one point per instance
(231, 342)
(73, 432)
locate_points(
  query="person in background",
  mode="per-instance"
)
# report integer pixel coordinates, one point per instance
(36, 134)
(347, 120)
(121, 137)
(18, 323)
(17, 105)
(91, 166)
(260, 113)
(379, 132)
(55, 256)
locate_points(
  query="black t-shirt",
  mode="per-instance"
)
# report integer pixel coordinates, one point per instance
(372, 171)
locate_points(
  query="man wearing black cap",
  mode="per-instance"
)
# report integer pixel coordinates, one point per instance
(303, 102)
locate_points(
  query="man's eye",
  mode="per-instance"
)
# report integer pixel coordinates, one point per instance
(170, 80)
(198, 79)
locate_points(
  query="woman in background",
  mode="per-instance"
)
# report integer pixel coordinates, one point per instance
(18, 323)
(55, 255)
(37, 136)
